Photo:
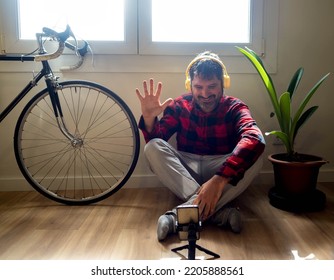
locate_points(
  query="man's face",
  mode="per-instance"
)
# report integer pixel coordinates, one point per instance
(207, 93)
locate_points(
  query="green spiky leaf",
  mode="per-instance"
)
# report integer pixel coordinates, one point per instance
(293, 85)
(285, 108)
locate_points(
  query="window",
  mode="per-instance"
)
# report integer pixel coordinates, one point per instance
(190, 26)
(174, 30)
(198, 21)
(107, 18)
(109, 25)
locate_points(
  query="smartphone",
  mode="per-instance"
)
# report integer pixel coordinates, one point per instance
(187, 215)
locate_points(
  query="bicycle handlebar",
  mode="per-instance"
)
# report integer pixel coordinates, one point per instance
(58, 52)
(61, 37)
(80, 52)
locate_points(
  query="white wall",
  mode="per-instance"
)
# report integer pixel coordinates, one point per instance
(305, 38)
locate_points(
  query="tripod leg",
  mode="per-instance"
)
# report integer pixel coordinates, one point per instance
(207, 251)
(180, 248)
(191, 251)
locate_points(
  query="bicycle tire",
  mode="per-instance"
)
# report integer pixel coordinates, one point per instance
(83, 174)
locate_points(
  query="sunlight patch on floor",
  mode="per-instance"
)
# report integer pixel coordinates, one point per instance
(298, 258)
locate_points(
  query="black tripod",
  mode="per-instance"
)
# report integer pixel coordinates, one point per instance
(192, 238)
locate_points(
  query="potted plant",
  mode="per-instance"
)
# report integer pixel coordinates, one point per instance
(295, 174)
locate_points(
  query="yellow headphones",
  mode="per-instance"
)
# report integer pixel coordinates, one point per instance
(225, 78)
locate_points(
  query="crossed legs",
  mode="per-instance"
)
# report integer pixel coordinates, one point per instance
(183, 173)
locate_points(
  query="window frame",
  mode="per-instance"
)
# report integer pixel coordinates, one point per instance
(148, 47)
(15, 45)
(129, 60)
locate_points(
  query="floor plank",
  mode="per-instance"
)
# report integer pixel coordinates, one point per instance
(124, 227)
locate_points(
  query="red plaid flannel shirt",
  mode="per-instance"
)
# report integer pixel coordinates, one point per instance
(229, 129)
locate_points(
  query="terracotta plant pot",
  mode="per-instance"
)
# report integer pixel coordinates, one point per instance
(296, 177)
(296, 183)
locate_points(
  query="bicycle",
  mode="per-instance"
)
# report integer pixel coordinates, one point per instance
(76, 142)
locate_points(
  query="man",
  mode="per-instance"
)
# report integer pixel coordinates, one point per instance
(218, 144)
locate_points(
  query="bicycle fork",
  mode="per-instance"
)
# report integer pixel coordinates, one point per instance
(53, 87)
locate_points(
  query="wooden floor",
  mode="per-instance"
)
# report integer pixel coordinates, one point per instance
(123, 227)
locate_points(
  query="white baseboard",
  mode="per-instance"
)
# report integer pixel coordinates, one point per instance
(151, 181)
(135, 181)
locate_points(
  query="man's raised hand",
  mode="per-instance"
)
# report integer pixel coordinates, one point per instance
(151, 106)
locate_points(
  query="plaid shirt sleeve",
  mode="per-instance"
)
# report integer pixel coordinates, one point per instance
(250, 145)
(229, 130)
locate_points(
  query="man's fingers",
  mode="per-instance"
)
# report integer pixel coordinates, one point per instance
(150, 91)
(166, 103)
(139, 94)
(159, 87)
(145, 88)
(151, 87)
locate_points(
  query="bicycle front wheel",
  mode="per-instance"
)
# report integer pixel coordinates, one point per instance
(87, 170)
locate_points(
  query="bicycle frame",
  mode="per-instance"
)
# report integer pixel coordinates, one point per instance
(52, 85)
(50, 79)
(28, 87)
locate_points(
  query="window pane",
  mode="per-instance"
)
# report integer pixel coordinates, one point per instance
(91, 20)
(214, 21)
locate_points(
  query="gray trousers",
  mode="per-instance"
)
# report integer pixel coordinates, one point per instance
(183, 173)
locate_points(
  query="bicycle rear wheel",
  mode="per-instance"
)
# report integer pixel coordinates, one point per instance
(101, 161)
